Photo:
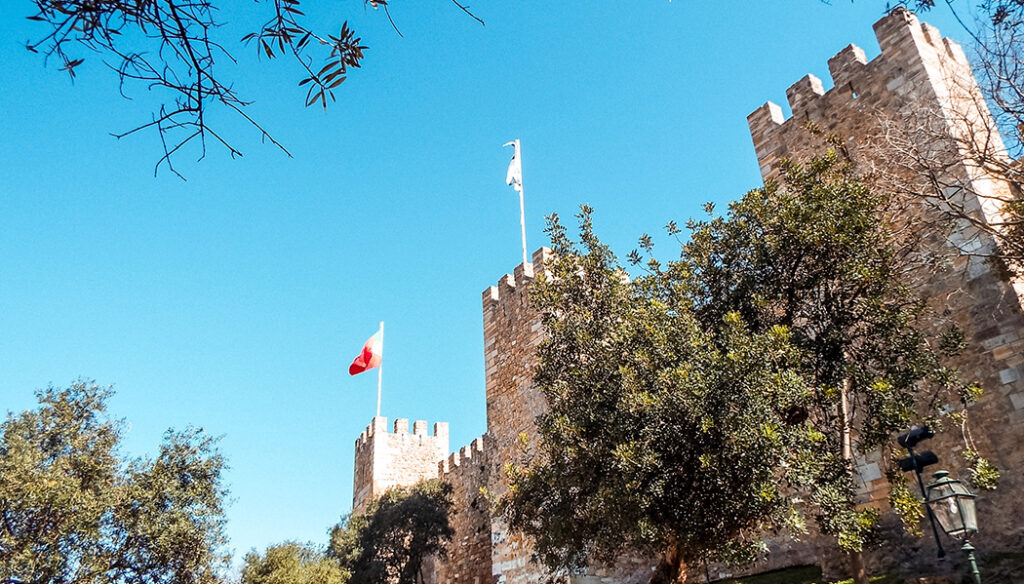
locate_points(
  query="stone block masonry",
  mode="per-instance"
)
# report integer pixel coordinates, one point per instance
(512, 331)
(480, 551)
(468, 560)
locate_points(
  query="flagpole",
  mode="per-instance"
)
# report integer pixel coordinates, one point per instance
(380, 368)
(522, 209)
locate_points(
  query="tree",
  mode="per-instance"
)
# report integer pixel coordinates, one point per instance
(692, 407)
(73, 511)
(174, 46)
(661, 437)
(397, 531)
(292, 563)
(818, 255)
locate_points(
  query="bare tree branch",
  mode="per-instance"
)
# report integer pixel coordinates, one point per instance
(169, 46)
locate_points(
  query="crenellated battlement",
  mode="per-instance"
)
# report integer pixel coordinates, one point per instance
(914, 57)
(401, 426)
(914, 119)
(846, 65)
(472, 452)
(512, 330)
(916, 71)
(522, 275)
(468, 471)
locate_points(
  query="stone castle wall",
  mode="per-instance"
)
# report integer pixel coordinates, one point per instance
(468, 559)
(384, 460)
(512, 331)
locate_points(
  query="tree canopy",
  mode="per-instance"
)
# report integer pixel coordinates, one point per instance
(694, 406)
(819, 255)
(292, 563)
(389, 541)
(74, 511)
(661, 437)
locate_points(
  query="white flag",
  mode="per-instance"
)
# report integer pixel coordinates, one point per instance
(514, 177)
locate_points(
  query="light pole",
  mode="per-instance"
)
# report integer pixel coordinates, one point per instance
(952, 504)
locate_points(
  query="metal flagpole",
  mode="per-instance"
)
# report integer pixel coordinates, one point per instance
(522, 211)
(522, 222)
(380, 368)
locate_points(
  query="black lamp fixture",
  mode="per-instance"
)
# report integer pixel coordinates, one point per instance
(917, 461)
(952, 504)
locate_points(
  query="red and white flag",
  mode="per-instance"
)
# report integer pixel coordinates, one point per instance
(370, 356)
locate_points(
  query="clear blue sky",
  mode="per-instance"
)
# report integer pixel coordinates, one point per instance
(235, 301)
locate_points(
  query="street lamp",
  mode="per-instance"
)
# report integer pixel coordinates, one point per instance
(952, 504)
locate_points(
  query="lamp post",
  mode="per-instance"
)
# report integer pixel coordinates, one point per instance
(952, 504)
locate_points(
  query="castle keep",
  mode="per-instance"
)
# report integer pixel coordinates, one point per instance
(918, 76)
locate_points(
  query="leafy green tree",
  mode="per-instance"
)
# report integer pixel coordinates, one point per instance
(817, 255)
(398, 530)
(662, 436)
(73, 511)
(292, 563)
(691, 408)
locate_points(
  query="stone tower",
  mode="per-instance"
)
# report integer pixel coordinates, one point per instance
(918, 72)
(384, 459)
(918, 101)
(512, 331)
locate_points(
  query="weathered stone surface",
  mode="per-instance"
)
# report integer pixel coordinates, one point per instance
(468, 557)
(511, 335)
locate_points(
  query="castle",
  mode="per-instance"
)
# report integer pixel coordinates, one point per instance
(918, 74)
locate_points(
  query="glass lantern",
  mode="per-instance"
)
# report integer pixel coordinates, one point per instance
(953, 505)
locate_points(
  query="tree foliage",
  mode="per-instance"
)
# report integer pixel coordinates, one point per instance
(817, 255)
(662, 437)
(174, 46)
(389, 541)
(725, 394)
(292, 563)
(73, 511)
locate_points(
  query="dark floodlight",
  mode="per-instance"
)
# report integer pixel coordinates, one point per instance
(918, 461)
(910, 439)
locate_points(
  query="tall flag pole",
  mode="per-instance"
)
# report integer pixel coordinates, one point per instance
(514, 178)
(371, 356)
(380, 368)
